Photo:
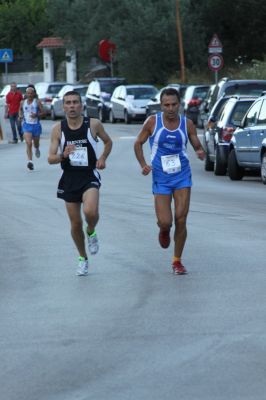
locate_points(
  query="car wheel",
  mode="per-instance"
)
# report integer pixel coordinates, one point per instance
(219, 166)
(101, 115)
(209, 165)
(112, 119)
(235, 172)
(53, 116)
(263, 169)
(127, 117)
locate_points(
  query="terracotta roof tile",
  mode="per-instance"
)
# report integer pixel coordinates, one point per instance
(52, 42)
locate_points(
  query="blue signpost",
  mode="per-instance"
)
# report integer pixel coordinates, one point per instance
(6, 56)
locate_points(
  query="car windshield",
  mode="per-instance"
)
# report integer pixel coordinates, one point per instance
(252, 89)
(200, 93)
(109, 87)
(82, 91)
(142, 93)
(54, 89)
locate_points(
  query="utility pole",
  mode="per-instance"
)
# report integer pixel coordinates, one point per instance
(180, 43)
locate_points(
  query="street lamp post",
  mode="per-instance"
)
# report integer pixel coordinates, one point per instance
(180, 43)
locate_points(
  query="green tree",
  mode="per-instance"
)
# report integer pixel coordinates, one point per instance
(239, 25)
(23, 23)
(144, 33)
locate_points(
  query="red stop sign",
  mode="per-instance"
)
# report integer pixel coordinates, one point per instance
(106, 49)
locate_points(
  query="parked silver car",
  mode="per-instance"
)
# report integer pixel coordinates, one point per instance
(57, 102)
(128, 102)
(46, 92)
(248, 144)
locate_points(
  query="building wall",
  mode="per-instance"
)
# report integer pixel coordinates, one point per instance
(21, 77)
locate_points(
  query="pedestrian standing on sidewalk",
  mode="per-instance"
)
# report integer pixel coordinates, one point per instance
(31, 110)
(168, 134)
(13, 99)
(73, 144)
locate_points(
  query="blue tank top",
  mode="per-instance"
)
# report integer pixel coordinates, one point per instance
(165, 142)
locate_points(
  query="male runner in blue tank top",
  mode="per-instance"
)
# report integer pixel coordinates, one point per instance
(73, 144)
(168, 134)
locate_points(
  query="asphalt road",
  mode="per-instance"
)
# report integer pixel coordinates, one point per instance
(130, 330)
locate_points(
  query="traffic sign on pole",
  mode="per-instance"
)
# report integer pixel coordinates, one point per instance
(215, 62)
(215, 45)
(6, 55)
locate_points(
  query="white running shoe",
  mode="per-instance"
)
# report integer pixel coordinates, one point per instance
(93, 243)
(37, 152)
(83, 267)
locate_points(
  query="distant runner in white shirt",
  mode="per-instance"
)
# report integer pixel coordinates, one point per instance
(31, 110)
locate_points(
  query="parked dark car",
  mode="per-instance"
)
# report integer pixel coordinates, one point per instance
(154, 104)
(217, 137)
(208, 130)
(193, 97)
(239, 87)
(98, 96)
(247, 149)
(128, 102)
(204, 109)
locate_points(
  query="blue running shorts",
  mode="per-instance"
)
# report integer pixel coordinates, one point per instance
(34, 129)
(170, 185)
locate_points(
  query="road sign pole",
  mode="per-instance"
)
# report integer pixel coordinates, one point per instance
(6, 73)
(216, 77)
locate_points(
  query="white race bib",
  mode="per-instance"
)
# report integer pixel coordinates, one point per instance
(171, 163)
(79, 158)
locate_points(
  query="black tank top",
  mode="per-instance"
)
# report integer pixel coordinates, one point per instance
(80, 137)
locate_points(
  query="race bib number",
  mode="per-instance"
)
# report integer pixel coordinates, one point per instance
(79, 158)
(171, 164)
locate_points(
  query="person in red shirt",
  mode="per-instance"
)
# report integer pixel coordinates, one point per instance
(13, 99)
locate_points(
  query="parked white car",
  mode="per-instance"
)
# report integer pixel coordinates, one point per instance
(128, 102)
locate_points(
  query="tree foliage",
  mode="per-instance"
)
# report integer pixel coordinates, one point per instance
(23, 23)
(143, 31)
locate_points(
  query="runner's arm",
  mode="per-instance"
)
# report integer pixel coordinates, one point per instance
(194, 140)
(54, 157)
(98, 130)
(41, 111)
(142, 137)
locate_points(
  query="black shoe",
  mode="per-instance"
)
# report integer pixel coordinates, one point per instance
(21, 138)
(13, 141)
(30, 165)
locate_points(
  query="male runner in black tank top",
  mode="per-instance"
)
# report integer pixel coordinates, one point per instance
(73, 144)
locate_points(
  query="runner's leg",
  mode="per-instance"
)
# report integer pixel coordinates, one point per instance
(36, 141)
(73, 210)
(182, 200)
(163, 211)
(90, 200)
(28, 140)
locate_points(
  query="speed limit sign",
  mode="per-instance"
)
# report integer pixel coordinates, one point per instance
(215, 62)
